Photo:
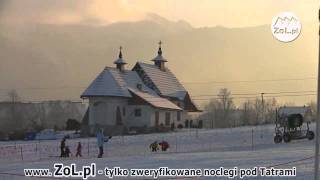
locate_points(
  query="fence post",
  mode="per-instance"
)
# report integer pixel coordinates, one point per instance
(105, 149)
(39, 150)
(176, 142)
(88, 147)
(197, 133)
(21, 153)
(252, 139)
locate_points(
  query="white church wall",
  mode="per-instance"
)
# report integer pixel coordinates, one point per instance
(103, 110)
(144, 119)
(173, 117)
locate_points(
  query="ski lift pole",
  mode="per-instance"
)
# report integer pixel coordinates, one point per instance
(316, 162)
(252, 139)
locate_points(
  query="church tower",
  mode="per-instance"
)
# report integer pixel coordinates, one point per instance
(120, 63)
(159, 60)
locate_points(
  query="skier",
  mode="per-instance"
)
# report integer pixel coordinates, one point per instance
(79, 147)
(67, 152)
(62, 147)
(100, 141)
(164, 145)
(154, 146)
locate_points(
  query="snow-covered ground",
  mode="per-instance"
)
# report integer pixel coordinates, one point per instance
(244, 147)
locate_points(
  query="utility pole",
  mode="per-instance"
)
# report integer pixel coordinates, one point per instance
(316, 162)
(262, 113)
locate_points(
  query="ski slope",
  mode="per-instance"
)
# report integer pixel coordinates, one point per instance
(244, 147)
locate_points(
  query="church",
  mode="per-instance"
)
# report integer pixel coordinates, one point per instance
(147, 98)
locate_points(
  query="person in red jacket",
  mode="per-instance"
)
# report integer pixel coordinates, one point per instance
(164, 145)
(79, 148)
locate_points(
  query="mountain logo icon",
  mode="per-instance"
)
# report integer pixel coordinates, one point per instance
(285, 27)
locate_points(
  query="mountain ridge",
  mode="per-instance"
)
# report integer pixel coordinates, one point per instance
(72, 55)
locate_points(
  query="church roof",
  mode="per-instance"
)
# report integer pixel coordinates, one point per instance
(112, 82)
(155, 100)
(165, 81)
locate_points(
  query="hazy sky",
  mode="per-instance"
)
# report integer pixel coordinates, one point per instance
(199, 13)
(230, 13)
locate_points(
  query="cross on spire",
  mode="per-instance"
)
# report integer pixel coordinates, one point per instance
(160, 51)
(120, 53)
(120, 62)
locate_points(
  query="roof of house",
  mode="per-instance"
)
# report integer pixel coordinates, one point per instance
(155, 100)
(165, 81)
(106, 84)
(112, 82)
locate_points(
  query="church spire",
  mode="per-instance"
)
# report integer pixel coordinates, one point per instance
(120, 63)
(159, 60)
(160, 50)
(120, 52)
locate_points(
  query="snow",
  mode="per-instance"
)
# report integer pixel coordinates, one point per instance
(112, 82)
(155, 100)
(105, 85)
(165, 81)
(188, 149)
(120, 61)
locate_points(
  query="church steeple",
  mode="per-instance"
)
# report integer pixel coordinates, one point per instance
(159, 60)
(120, 63)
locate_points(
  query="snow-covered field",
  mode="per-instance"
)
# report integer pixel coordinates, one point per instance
(244, 147)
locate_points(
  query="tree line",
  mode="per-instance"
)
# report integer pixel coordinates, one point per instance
(221, 112)
(20, 117)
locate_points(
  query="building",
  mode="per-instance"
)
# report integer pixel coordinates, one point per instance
(148, 97)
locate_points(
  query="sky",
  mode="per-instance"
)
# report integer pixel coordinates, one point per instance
(199, 13)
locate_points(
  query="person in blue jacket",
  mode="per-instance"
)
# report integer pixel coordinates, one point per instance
(100, 140)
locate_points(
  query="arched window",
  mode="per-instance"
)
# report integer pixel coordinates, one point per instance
(124, 111)
(118, 117)
(167, 120)
(178, 115)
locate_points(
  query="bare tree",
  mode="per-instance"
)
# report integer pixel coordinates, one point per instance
(226, 103)
(219, 109)
(13, 99)
(247, 116)
(13, 96)
(313, 106)
(212, 112)
(270, 110)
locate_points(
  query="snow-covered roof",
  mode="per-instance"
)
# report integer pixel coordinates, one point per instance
(159, 58)
(112, 82)
(107, 85)
(155, 100)
(287, 110)
(120, 61)
(165, 81)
